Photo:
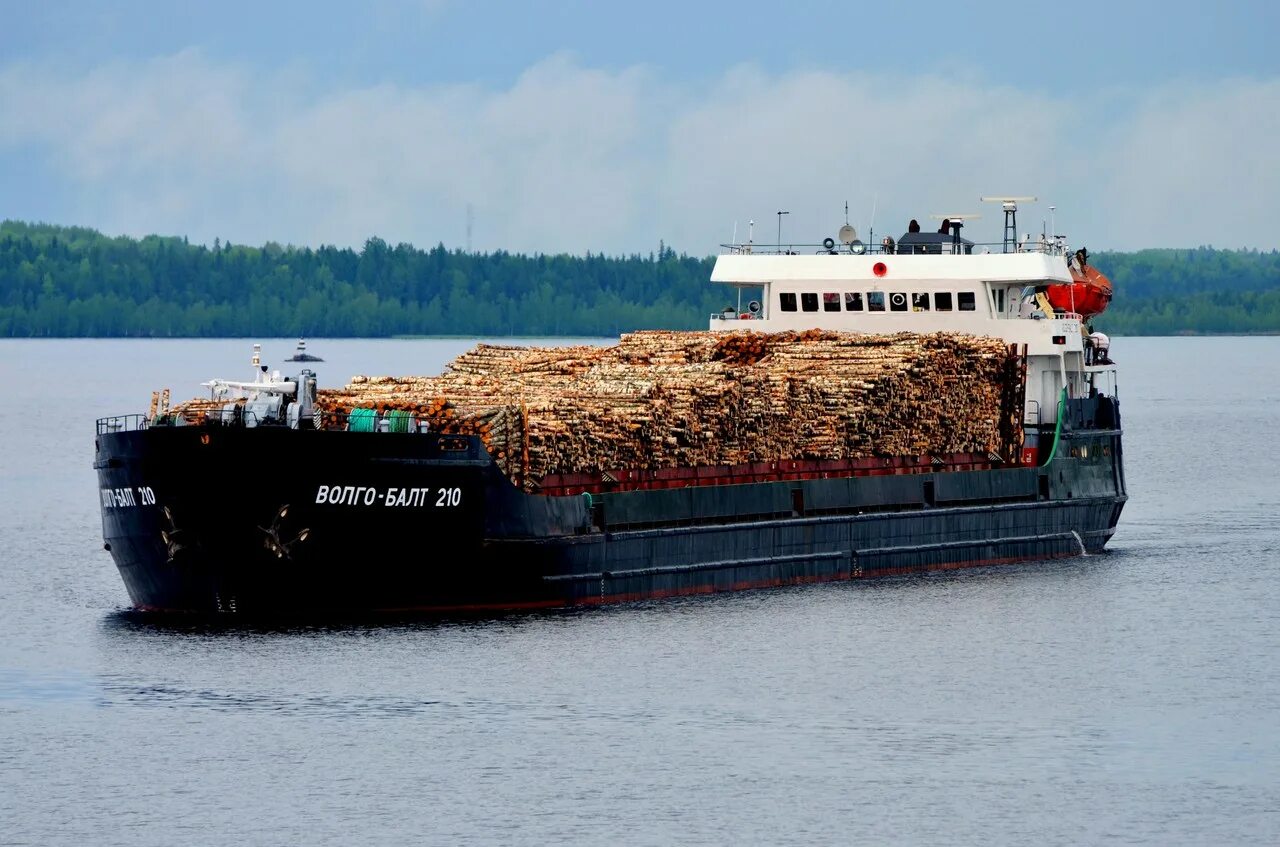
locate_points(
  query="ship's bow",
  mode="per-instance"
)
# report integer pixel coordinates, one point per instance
(274, 520)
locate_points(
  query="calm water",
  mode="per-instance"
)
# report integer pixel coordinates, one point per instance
(1132, 697)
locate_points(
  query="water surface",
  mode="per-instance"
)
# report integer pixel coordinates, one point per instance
(1131, 697)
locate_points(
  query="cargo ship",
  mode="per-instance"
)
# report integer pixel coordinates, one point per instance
(263, 501)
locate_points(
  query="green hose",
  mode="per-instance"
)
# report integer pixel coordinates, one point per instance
(1057, 430)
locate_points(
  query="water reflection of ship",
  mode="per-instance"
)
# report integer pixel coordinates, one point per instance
(301, 354)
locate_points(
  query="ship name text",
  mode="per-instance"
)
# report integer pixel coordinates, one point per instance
(363, 495)
(124, 498)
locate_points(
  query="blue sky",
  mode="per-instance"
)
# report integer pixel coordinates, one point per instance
(577, 126)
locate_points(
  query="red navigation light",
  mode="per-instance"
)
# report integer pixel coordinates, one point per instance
(879, 269)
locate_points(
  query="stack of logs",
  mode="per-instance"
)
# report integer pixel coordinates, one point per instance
(197, 411)
(681, 399)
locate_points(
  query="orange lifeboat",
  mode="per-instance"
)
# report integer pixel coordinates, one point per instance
(1088, 293)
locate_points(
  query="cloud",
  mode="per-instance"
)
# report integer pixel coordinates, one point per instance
(807, 142)
(1197, 165)
(576, 158)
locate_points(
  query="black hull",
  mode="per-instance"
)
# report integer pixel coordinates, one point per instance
(272, 521)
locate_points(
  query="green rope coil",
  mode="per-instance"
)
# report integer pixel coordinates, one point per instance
(399, 420)
(362, 420)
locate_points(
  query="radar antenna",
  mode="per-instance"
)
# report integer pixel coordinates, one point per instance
(959, 216)
(954, 223)
(1010, 206)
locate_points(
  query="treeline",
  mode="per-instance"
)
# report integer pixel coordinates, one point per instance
(1172, 292)
(72, 281)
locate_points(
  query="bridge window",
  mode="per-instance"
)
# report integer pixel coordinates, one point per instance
(919, 302)
(966, 301)
(809, 301)
(787, 301)
(942, 301)
(831, 301)
(875, 301)
(898, 301)
(853, 301)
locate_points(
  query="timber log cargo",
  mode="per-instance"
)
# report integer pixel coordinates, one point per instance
(691, 399)
(880, 409)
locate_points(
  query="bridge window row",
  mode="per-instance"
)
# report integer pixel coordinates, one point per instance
(878, 301)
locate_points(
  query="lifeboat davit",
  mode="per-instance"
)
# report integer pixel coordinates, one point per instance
(1088, 293)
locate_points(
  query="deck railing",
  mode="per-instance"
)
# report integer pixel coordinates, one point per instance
(131, 423)
(946, 248)
(356, 421)
(121, 423)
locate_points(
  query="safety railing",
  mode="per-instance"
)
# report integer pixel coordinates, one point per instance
(893, 247)
(121, 423)
(357, 420)
(203, 417)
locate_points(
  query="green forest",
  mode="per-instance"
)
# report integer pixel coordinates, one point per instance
(58, 281)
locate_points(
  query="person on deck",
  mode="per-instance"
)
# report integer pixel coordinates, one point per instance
(914, 226)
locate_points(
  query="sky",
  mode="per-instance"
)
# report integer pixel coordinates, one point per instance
(609, 127)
